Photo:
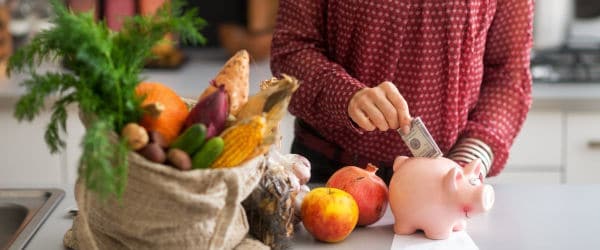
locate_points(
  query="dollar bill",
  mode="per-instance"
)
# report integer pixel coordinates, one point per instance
(419, 141)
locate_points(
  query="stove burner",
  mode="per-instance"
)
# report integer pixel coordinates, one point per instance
(566, 65)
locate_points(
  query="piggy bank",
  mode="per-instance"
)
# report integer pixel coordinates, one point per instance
(436, 195)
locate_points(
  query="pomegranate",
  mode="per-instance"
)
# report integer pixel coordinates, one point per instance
(369, 191)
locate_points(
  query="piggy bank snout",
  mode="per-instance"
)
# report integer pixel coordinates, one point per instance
(487, 197)
(483, 199)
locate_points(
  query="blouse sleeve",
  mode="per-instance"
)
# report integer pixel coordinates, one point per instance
(505, 95)
(299, 49)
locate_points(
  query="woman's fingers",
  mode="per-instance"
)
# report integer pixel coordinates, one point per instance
(361, 119)
(363, 112)
(381, 107)
(395, 98)
(375, 115)
(388, 110)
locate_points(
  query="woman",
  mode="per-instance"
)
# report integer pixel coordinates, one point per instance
(367, 67)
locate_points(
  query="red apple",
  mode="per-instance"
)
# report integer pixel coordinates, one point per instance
(329, 214)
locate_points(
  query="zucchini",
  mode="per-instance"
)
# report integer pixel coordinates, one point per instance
(191, 140)
(208, 153)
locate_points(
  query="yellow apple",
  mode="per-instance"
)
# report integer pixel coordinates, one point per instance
(329, 214)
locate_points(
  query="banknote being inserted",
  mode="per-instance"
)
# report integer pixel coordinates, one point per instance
(419, 141)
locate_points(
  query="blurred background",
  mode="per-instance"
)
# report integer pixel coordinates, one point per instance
(232, 24)
(560, 142)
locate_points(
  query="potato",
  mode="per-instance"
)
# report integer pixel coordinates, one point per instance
(153, 152)
(136, 135)
(179, 158)
(156, 137)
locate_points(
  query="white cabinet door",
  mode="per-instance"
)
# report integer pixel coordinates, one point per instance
(537, 153)
(72, 154)
(25, 158)
(583, 148)
(539, 144)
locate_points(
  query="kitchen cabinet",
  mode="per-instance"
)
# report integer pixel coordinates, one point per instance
(559, 141)
(27, 159)
(539, 144)
(25, 156)
(537, 153)
(583, 147)
(553, 146)
(556, 146)
(73, 149)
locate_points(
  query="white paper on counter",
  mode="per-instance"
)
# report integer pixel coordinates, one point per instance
(417, 241)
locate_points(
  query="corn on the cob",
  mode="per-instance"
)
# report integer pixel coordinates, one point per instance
(240, 141)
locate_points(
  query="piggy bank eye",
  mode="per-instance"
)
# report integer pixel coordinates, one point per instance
(474, 181)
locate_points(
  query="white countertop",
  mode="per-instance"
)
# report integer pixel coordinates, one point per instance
(524, 217)
(566, 96)
(566, 91)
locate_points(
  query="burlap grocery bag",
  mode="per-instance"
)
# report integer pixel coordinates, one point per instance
(165, 208)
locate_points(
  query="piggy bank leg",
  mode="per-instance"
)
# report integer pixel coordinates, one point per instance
(459, 225)
(438, 233)
(404, 229)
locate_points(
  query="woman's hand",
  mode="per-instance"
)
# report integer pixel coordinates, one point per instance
(381, 107)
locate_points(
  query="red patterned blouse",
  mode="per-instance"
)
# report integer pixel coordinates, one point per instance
(461, 65)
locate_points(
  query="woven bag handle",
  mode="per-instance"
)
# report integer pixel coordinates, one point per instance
(82, 225)
(226, 216)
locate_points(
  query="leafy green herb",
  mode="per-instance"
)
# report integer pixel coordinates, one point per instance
(104, 68)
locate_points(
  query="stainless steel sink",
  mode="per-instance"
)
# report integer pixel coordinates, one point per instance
(22, 212)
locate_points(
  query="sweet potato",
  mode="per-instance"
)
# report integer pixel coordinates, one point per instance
(234, 76)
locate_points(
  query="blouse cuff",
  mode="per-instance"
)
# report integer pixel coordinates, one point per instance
(469, 149)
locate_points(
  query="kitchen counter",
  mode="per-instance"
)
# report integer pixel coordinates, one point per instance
(524, 217)
(566, 96)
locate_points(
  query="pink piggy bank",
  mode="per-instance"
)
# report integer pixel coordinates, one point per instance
(436, 195)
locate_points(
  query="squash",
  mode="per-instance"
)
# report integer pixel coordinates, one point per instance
(167, 120)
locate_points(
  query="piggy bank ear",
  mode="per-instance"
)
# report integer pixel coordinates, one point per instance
(452, 178)
(474, 167)
(399, 161)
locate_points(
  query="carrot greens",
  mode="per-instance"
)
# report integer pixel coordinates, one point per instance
(103, 70)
